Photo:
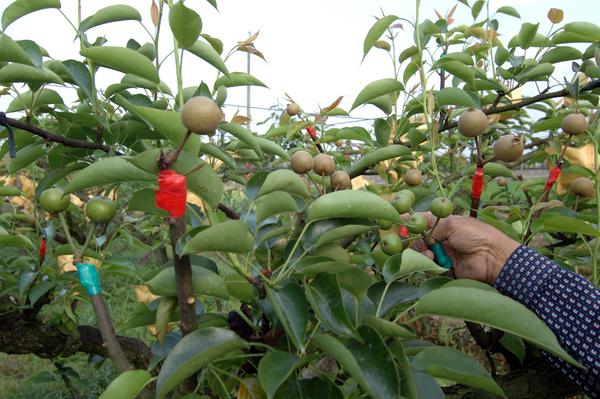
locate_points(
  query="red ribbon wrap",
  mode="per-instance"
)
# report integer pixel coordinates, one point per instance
(43, 248)
(478, 182)
(403, 231)
(172, 193)
(311, 131)
(554, 172)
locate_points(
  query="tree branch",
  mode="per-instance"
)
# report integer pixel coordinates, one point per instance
(18, 336)
(55, 137)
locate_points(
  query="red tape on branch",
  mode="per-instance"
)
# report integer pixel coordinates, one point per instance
(311, 131)
(43, 248)
(478, 182)
(552, 177)
(403, 231)
(172, 193)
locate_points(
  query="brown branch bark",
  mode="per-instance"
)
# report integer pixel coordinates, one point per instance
(515, 106)
(18, 336)
(55, 137)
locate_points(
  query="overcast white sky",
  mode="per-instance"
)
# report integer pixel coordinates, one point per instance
(313, 47)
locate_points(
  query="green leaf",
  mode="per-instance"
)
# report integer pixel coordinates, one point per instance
(454, 365)
(557, 224)
(107, 171)
(291, 308)
(408, 385)
(461, 71)
(267, 146)
(276, 367)
(329, 230)
(127, 385)
(508, 10)
(491, 169)
(377, 89)
(386, 328)
(253, 185)
(352, 279)
(409, 261)
(194, 352)
(26, 277)
(476, 9)
(81, 75)
(238, 79)
(11, 51)
(19, 8)
(560, 54)
(216, 152)
(43, 97)
(454, 96)
(370, 363)
(502, 226)
(164, 312)
(40, 289)
(9, 191)
(185, 24)
(204, 282)
(26, 157)
(353, 204)
(313, 388)
(376, 156)
(206, 52)
(230, 236)
(242, 134)
(274, 203)
(527, 34)
(393, 295)
(144, 201)
(124, 60)
(283, 180)
(120, 12)
(549, 124)
(489, 307)
(586, 29)
(325, 297)
(378, 29)
(15, 72)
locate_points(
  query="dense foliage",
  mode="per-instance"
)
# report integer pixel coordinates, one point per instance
(287, 282)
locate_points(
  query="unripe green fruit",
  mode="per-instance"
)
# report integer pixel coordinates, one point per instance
(502, 181)
(384, 224)
(408, 193)
(374, 188)
(508, 148)
(402, 203)
(510, 165)
(441, 207)
(391, 244)
(54, 200)
(292, 109)
(574, 124)
(323, 164)
(339, 143)
(416, 224)
(413, 177)
(201, 115)
(340, 179)
(472, 123)
(582, 187)
(301, 162)
(100, 209)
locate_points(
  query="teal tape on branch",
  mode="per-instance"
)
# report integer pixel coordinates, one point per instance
(88, 276)
(440, 257)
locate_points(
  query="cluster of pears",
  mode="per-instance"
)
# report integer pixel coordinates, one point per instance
(403, 201)
(473, 123)
(99, 209)
(302, 162)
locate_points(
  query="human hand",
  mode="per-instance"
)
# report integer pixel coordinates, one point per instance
(478, 250)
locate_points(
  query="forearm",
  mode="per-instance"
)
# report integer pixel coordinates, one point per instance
(567, 303)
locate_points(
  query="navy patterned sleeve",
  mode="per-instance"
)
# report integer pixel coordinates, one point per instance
(567, 303)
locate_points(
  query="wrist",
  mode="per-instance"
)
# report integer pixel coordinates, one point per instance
(505, 249)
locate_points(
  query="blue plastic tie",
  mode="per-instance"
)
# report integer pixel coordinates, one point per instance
(88, 277)
(440, 256)
(11, 137)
